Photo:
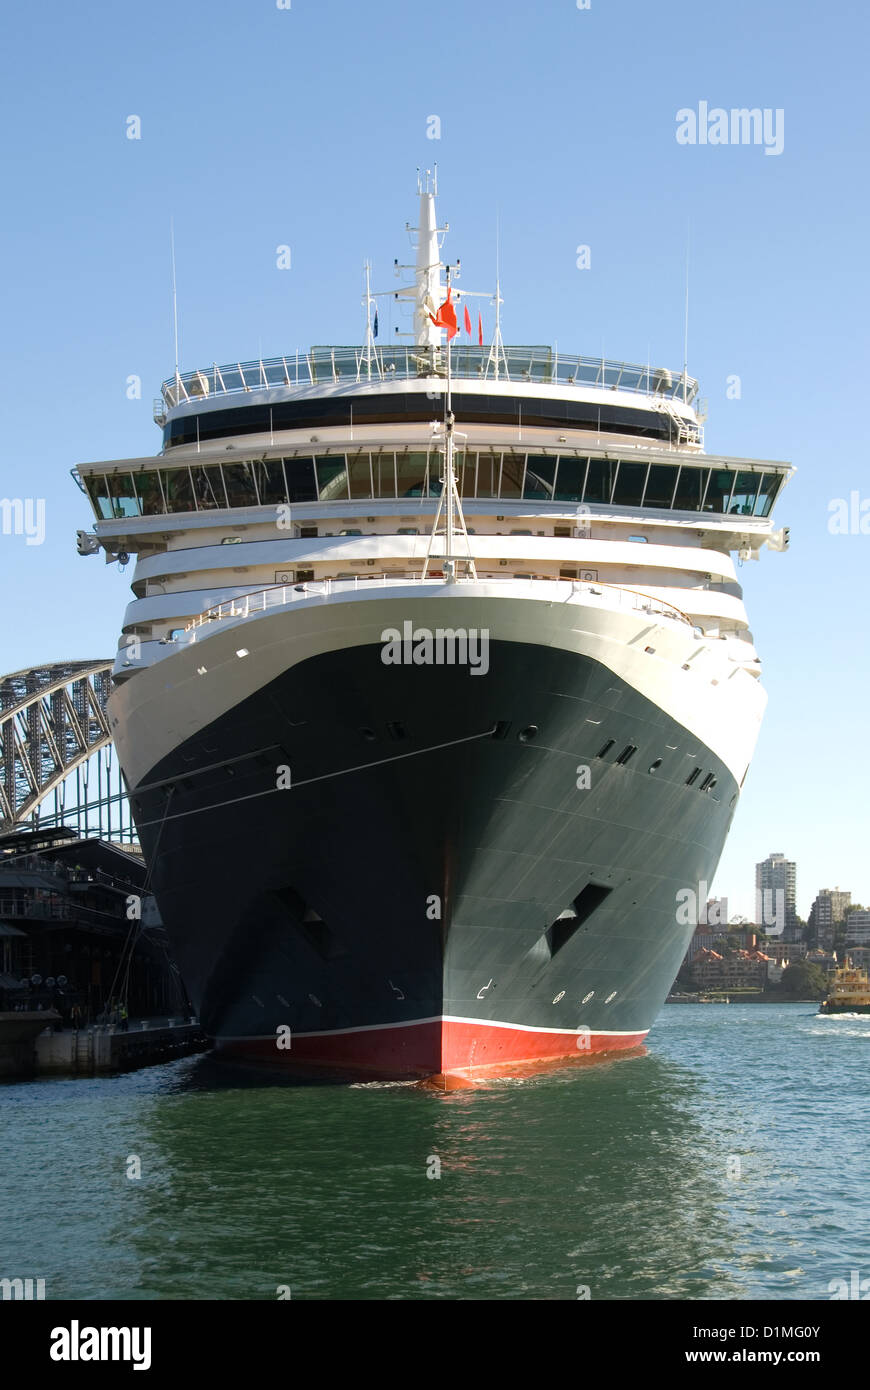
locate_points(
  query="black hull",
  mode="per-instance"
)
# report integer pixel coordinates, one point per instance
(315, 908)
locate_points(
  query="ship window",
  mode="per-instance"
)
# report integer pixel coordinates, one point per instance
(208, 487)
(660, 485)
(627, 753)
(745, 491)
(570, 478)
(602, 752)
(307, 532)
(304, 576)
(407, 531)
(99, 495)
(177, 489)
(567, 573)
(332, 477)
(690, 489)
(361, 476)
(384, 475)
(599, 480)
(123, 494)
(719, 491)
(466, 476)
(766, 493)
(240, 486)
(630, 478)
(150, 496)
(269, 475)
(411, 475)
(693, 776)
(301, 486)
(488, 467)
(540, 476)
(512, 475)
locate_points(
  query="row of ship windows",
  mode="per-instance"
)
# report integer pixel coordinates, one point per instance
(339, 477)
(628, 752)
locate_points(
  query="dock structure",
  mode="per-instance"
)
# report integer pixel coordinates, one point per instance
(30, 1045)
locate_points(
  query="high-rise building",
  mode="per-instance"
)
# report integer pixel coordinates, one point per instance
(858, 928)
(828, 912)
(775, 896)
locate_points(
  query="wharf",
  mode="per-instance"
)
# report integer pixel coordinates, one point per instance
(30, 1047)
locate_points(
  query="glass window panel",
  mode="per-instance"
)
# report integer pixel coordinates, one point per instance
(98, 492)
(360, 476)
(630, 479)
(384, 475)
(570, 479)
(301, 486)
(123, 494)
(269, 475)
(512, 474)
(660, 485)
(767, 492)
(690, 488)
(599, 480)
(410, 475)
(745, 490)
(177, 489)
(150, 496)
(488, 468)
(719, 491)
(332, 477)
(239, 483)
(540, 476)
(208, 487)
(466, 474)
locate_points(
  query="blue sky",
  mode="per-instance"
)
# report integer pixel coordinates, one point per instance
(262, 126)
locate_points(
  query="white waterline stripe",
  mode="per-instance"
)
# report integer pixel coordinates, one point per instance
(444, 1018)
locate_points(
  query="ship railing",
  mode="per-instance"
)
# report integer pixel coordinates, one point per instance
(337, 366)
(283, 595)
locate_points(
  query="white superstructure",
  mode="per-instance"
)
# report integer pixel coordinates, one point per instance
(291, 512)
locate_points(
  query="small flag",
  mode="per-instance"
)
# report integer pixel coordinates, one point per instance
(479, 329)
(446, 317)
(376, 323)
(467, 321)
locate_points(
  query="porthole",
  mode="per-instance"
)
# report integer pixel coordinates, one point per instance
(587, 997)
(654, 767)
(693, 776)
(627, 753)
(369, 735)
(602, 752)
(611, 996)
(527, 734)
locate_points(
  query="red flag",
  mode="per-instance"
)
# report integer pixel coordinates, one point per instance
(467, 321)
(446, 317)
(479, 329)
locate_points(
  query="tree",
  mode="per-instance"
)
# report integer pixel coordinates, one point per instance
(803, 980)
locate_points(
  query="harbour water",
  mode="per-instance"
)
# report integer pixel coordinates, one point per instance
(724, 1163)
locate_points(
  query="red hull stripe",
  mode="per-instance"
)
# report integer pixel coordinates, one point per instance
(430, 1047)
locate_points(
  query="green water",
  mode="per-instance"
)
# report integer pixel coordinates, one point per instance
(728, 1162)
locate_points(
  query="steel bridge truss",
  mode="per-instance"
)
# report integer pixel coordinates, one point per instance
(57, 760)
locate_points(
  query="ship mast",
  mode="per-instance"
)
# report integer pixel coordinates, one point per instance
(427, 336)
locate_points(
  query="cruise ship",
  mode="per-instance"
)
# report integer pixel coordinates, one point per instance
(436, 693)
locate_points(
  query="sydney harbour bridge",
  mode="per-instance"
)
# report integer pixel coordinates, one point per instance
(58, 766)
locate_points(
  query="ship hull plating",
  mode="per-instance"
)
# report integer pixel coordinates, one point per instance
(364, 868)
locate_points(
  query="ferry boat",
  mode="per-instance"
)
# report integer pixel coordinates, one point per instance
(436, 688)
(849, 993)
